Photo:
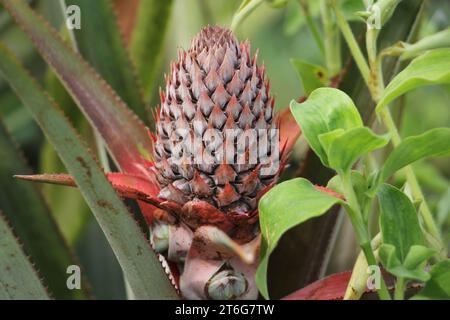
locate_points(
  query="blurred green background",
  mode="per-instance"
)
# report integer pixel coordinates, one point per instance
(279, 34)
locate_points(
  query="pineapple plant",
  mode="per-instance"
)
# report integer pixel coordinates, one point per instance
(215, 86)
(210, 211)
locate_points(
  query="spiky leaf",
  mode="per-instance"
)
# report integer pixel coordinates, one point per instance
(140, 265)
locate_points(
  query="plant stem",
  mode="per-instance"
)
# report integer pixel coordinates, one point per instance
(358, 281)
(243, 12)
(332, 40)
(352, 44)
(374, 80)
(362, 234)
(411, 177)
(399, 289)
(312, 25)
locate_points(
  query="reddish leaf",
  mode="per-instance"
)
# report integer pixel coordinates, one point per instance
(127, 11)
(329, 288)
(289, 130)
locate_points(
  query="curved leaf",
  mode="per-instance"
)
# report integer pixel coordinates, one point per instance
(18, 279)
(435, 142)
(398, 221)
(347, 148)
(124, 135)
(311, 76)
(147, 42)
(438, 287)
(140, 265)
(285, 206)
(325, 110)
(433, 67)
(25, 208)
(108, 56)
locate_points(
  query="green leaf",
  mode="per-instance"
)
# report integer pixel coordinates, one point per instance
(436, 40)
(147, 42)
(325, 110)
(438, 287)
(245, 9)
(346, 149)
(18, 279)
(435, 142)
(140, 265)
(285, 206)
(311, 76)
(105, 110)
(25, 208)
(417, 255)
(433, 67)
(360, 185)
(389, 259)
(326, 139)
(68, 206)
(398, 221)
(108, 56)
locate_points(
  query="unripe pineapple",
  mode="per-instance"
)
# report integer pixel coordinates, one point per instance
(216, 144)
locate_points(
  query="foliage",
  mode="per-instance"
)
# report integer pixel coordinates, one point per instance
(104, 77)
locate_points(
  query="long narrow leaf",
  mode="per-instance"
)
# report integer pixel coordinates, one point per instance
(25, 208)
(147, 42)
(18, 279)
(140, 265)
(105, 110)
(108, 56)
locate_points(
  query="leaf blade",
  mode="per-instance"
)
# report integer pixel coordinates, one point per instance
(435, 142)
(140, 265)
(300, 201)
(398, 221)
(25, 208)
(325, 110)
(433, 67)
(147, 42)
(346, 149)
(438, 287)
(18, 279)
(106, 112)
(108, 56)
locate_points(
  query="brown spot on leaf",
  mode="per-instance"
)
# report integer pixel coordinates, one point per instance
(84, 165)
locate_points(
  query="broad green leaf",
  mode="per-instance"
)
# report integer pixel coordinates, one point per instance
(18, 279)
(140, 265)
(326, 139)
(360, 185)
(433, 67)
(124, 135)
(398, 220)
(147, 41)
(346, 149)
(325, 110)
(108, 56)
(438, 287)
(285, 206)
(311, 76)
(25, 208)
(390, 261)
(435, 142)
